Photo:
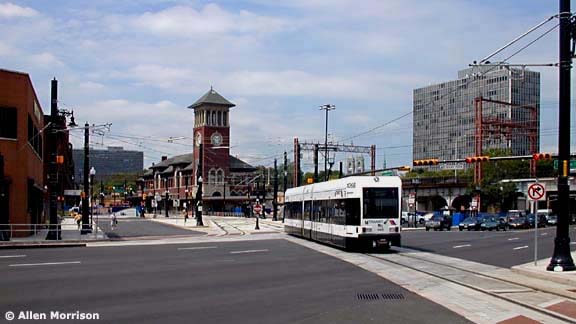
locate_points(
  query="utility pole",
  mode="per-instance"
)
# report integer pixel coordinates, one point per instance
(316, 163)
(275, 201)
(285, 171)
(86, 228)
(561, 258)
(340, 175)
(54, 232)
(327, 108)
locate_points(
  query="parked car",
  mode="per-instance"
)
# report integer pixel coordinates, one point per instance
(552, 220)
(492, 222)
(470, 223)
(515, 213)
(541, 220)
(439, 222)
(518, 222)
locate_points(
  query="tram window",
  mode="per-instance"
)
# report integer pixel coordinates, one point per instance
(339, 211)
(381, 203)
(352, 211)
(307, 210)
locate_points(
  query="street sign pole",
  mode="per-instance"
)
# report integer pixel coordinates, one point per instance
(536, 192)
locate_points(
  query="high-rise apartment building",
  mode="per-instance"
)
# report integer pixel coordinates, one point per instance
(444, 117)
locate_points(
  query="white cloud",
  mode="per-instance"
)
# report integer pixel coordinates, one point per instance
(45, 60)
(185, 21)
(91, 86)
(10, 10)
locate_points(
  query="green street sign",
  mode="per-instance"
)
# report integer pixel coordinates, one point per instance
(388, 173)
(572, 164)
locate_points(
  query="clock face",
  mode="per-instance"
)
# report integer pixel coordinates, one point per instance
(216, 139)
(198, 139)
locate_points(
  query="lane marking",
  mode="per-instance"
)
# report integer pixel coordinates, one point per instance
(461, 246)
(198, 248)
(543, 234)
(572, 243)
(41, 264)
(12, 256)
(248, 251)
(520, 247)
(513, 239)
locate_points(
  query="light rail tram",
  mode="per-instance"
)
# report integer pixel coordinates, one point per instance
(359, 212)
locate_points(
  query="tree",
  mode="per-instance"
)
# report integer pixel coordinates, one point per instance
(494, 194)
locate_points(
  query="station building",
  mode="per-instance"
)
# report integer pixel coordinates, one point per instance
(227, 180)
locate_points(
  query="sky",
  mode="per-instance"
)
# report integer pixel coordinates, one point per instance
(139, 64)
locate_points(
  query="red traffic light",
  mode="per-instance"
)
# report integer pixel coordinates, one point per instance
(474, 159)
(541, 156)
(425, 162)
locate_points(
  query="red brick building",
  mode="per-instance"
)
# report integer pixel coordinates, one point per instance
(21, 145)
(226, 179)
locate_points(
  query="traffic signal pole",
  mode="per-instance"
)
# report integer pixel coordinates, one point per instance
(561, 258)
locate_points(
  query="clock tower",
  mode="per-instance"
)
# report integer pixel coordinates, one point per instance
(212, 133)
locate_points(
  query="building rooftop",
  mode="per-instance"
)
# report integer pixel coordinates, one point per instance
(211, 97)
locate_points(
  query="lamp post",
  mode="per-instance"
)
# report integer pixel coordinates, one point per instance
(327, 108)
(92, 174)
(166, 196)
(199, 203)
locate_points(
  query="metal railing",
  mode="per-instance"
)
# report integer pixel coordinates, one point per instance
(38, 232)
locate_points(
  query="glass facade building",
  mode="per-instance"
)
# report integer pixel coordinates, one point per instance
(444, 113)
(108, 162)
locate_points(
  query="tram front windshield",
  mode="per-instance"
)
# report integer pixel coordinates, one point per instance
(381, 203)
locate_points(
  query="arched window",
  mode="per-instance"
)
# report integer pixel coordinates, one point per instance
(219, 118)
(224, 119)
(220, 176)
(212, 176)
(214, 119)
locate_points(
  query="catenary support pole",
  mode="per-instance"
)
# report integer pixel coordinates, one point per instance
(561, 258)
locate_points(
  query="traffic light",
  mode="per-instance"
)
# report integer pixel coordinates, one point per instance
(541, 156)
(425, 162)
(404, 168)
(474, 159)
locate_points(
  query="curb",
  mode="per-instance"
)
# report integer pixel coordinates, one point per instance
(558, 277)
(40, 245)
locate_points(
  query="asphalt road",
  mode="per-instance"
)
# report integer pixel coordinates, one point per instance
(503, 249)
(130, 227)
(272, 281)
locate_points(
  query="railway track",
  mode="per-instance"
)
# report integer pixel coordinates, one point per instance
(510, 289)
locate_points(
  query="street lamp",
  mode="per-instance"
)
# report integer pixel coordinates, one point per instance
(327, 108)
(92, 174)
(199, 203)
(166, 193)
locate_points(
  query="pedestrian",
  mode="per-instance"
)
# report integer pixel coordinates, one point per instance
(78, 219)
(113, 221)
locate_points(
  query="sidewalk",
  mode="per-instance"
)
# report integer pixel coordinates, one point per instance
(539, 271)
(222, 226)
(70, 236)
